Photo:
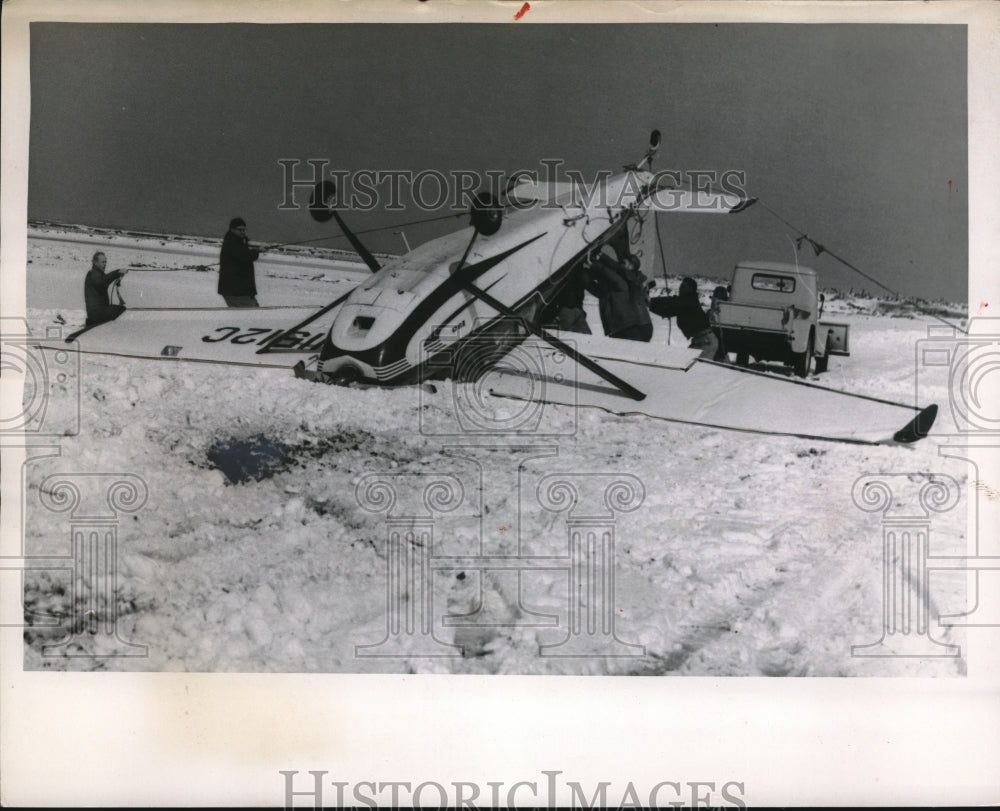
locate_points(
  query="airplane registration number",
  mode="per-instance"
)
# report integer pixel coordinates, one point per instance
(298, 339)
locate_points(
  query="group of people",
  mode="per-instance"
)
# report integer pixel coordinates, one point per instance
(237, 280)
(624, 303)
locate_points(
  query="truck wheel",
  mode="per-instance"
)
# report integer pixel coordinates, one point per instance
(742, 358)
(802, 360)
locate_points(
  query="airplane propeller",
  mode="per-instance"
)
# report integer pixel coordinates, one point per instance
(654, 147)
(486, 214)
(321, 209)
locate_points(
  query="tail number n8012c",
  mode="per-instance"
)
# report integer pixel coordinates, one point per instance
(299, 339)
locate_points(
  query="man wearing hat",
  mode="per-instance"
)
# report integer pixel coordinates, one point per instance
(236, 274)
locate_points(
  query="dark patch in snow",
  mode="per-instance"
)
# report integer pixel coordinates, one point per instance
(257, 457)
(260, 457)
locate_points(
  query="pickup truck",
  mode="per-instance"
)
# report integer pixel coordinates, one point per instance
(772, 314)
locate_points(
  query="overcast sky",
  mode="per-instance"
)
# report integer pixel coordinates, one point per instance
(856, 134)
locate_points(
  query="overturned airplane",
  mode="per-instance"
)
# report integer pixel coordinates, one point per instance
(456, 306)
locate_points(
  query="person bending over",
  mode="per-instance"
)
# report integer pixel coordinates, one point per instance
(622, 297)
(691, 318)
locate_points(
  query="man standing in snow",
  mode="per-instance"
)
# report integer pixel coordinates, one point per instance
(236, 272)
(690, 317)
(97, 294)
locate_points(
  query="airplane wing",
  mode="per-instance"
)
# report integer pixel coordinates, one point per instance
(698, 201)
(212, 335)
(682, 389)
(550, 193)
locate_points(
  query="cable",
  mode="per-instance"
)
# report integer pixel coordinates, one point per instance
(206, 266)
(663, 263)
(659, 242)
(818, 249)
(116, 290)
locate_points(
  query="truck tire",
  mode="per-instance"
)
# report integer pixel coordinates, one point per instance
(823, 363)
(801, 361)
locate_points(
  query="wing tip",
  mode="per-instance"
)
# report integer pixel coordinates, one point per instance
(918, 427)
(743, 205)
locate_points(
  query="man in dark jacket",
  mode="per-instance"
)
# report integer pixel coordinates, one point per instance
(236, 273)
(692, 320)
(97, 294)
(623, 299)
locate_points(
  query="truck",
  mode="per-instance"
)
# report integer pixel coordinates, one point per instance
(772, 313)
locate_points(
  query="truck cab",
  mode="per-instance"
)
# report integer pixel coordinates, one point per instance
(772, 314)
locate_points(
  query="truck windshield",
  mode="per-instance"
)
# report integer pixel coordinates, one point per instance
(767, 281)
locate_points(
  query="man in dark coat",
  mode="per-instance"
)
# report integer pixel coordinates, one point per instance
(97, 293)
(236, 273)
(691, 318)
(623, 299)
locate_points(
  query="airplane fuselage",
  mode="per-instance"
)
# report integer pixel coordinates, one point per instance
(419, 308)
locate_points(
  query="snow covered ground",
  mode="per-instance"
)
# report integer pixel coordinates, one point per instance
(746, 556)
